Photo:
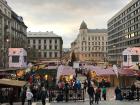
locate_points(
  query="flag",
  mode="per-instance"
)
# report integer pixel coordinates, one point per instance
(115, 70)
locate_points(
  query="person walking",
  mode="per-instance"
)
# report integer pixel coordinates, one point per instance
(43, 96)
(11, 96)
(23, 95)
(133, 89)
(118, 93)
(29, 96)
(90, 92)
(104, 92)
(66, 91)
(97, 94)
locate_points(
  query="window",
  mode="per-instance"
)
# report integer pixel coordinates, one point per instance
(55, 54)
(135, 58)
(55, 47)
(25, 58)
(125, 58)
(45, 47)
(39, 41)
(50, 41)
(33, 41)
(45, 54)
(55, 41)
(50, 54)
(50, 47)
(39, 47)
(34, 47)
(28, 41)
(15, 59)
(44, 41)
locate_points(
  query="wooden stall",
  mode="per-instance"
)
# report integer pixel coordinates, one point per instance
(7, 86)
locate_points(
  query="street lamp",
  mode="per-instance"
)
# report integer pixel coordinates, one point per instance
(5, 53)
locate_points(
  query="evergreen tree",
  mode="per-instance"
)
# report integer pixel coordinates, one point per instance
(73, 58)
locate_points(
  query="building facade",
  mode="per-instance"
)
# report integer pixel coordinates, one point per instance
(124, 31)
(44, 46)
(10, 32)
(90, 44)
(18, 32)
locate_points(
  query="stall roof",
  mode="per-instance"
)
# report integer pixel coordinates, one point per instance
(127, 72)
(100, 71)
(9, 82)
(66, 70)
(10, 69)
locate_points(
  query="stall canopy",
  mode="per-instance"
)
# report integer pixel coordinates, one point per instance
(127, 72)
(100, 71)
(9, 82)
(65, 70)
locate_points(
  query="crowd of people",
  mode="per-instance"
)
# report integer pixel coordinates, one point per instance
(96, 93)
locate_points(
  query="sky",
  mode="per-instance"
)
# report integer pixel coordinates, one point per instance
(64, 17)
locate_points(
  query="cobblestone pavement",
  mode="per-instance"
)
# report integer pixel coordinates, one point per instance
(113, 102)
(100, 103)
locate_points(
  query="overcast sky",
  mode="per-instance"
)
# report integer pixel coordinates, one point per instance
(64, 17)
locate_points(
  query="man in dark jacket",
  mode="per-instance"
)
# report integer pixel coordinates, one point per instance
(91, 92)
(43, 96)
(23, 96)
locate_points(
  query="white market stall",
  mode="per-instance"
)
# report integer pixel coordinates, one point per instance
(131, 57)
(17, 57)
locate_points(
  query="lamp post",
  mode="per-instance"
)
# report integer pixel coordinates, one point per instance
(6, 43)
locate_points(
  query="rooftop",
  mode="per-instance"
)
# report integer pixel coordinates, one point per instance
(97, 30)
(42, 34)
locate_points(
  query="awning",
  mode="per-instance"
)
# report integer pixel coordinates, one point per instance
(9, 82)
(65, 70)
(127, 72)
(100, 71)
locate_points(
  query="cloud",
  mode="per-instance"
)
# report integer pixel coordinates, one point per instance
(65, 16)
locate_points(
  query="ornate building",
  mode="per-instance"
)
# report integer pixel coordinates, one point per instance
(90, 44)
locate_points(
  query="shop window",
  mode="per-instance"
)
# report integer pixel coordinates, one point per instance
(125, 58)
(25, 58)
(15, 59)
(134, 58)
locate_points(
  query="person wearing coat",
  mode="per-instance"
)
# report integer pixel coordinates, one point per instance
(23, 96)
(91, 93)
(43, 96)
(118, 93)
(104, 92)
(29, 96)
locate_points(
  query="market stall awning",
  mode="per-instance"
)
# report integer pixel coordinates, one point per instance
(101, 71)
(9, 82)
(65, 70)
(127, 72)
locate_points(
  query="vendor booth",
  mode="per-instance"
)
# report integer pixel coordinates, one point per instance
(7, 86)
(65, 73)
(100, 75)
(17, 57)
(127, 77)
